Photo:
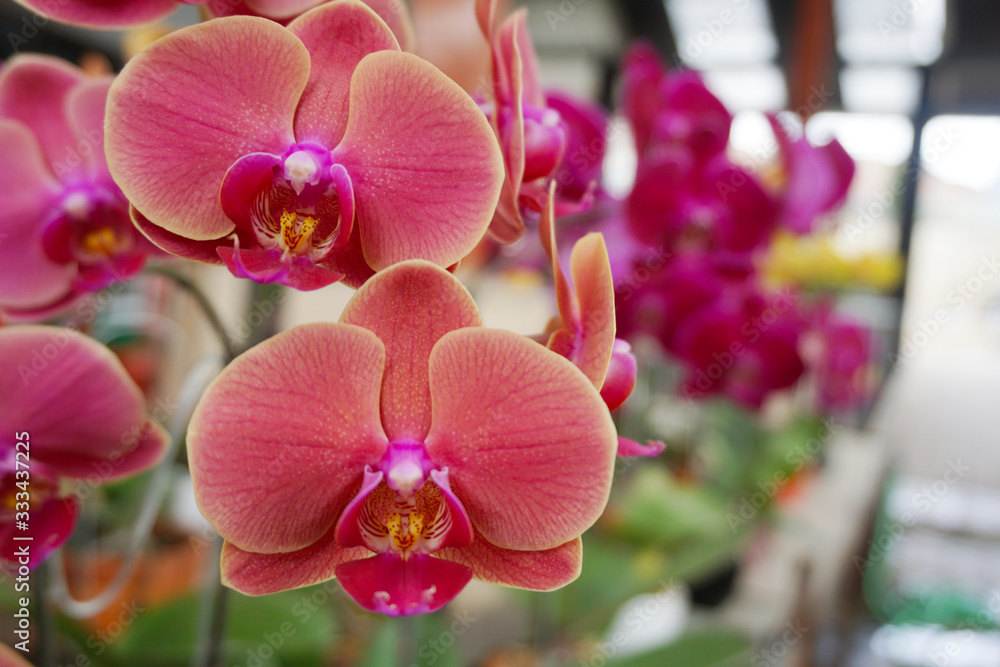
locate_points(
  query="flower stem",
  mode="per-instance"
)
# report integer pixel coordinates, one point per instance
(47, 638)
(194, 385)
(211, 314)
(212, 619)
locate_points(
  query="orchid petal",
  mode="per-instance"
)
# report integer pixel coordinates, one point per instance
(34, 90)
(620, 379)
(200, 251)
(423, 161)
(338, 35)
(347, 530)
(587, 308)
(211, 93)
(628, 448)
(503, 402)
(410, 306)
(507, 224)
(533, 570)
(28, 194)
(595, 292)
(52, 523)
(275, 478)
(100, 422)
(397, 17)
(85, 107)
(280, 9)
(460, 534)
(102, 13)
(260, 574)
(518, 54)
(390, 585)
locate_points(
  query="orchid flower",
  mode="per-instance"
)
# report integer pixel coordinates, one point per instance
(64, 224)
(585, 330)
(70, 412)
(685, 205)
(128, 13)
(304, 155)
(839, 354)
(403, 451)
(743, 345)
(535, 134)
(812, 180)
(671, 108)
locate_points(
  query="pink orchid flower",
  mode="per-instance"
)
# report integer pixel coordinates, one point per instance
(403, 451)
(304, 155)
(671, 108)
(813, 180)
(533, 132)
(70, 412)
(585, 330)
(128, 13)
(743, 345)
(64, 224)
(839, 353)
(685, 205)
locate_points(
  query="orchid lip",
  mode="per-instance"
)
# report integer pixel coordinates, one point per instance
(300, 204)
(405, 507)
(406, 466)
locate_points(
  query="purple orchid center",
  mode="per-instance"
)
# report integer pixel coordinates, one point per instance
(404, 511)
(300, 204)
(405, 507)
(290, 211)
(92, 228)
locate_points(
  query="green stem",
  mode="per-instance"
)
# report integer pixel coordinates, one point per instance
(45, 636)
(211, 314)
(212, 620)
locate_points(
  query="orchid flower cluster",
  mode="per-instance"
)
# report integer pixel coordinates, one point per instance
(407, 448)
(404, 450)
(691, 271)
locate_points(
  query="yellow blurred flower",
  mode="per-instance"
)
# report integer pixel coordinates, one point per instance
(816, 262)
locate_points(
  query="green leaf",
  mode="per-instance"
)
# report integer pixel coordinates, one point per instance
(289, 629)
(384, 646)
(704, 648)
(657, 509)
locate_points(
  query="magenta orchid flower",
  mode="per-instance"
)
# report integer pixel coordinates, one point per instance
(671, 108)
(403, 451)
(684, 205)
(839, 353)
(585, 330)
(128, 13)
(813, 179)
(64, 224)
(70, 412)
(743, 345)
(304, 155)
(533, 133)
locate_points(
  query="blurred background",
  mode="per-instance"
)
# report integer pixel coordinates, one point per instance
(883, 550)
